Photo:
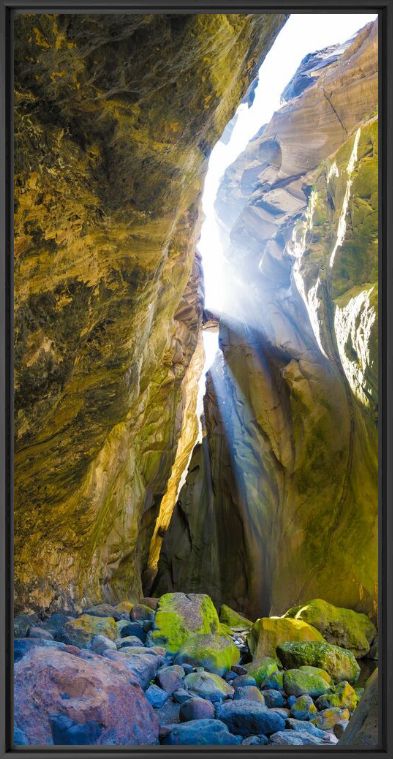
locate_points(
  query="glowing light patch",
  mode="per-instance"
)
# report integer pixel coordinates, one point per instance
(342, 222)
(353, 324)
(296, 248)
(333, 171)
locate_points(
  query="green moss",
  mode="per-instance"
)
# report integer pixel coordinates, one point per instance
(299, 682)
(338, 662)
(81, 630)
(267, 632)
(216, 653)
(179, 616)
(326, 719)
(261, 670)
(344, 627)
(343, 696)
(233, 619)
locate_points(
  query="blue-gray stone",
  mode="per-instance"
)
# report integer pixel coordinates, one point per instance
(249, 718)
(200, 732)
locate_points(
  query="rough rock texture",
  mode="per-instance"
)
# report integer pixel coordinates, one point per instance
(344, 627)
(338, 662)
(93, 692)
(267, 632)
(115, 116)
(283, 490)
(362, 730)
(179, 616)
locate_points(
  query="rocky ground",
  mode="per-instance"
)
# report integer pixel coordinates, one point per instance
(169, 670)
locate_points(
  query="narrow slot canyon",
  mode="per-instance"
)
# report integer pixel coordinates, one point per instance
(196, 378)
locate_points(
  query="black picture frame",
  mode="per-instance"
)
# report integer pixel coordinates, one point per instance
(385, 11)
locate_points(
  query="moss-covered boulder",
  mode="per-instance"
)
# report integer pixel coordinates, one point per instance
(267, 632)
(208, 685)
(344, 627)
(338, 662)
(217, 653)
(81, 631)
(303, 708)
(233, 619)
(328, 718)
(317, 671)
(274, 681)
(298, 682)
(179, 615)
(343, 696)
(264, 670)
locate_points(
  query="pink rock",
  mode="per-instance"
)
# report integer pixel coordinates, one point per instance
(92, 690)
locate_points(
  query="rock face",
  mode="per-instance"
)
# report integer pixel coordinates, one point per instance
(62, 698)
(363, 731)
(283, 490)
(115, 116)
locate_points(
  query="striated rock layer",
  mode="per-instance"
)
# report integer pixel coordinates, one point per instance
(283, 491)
(115, 116)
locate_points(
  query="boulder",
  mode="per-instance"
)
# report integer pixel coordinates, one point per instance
(101, 643)
(200, 732)
(55, 624)
(81, 631)
(274, 681)
(126, 629)
(208, 685)
(249, 693)
(303, 707)
(142, 613)
(171, 678)
(22, 624)
(130, 640)
(156, 696)
(233, 619)
(124, 608)
(263, 668)
(338, 662)
(304, 726)
(95, 696)
(217, 653)
(298, 682)
(273, 698)
(23, 646)
(363, 728)
(328, 718)
(179, 615)
(294, 738)
(152, 603)
(104, 610)
(344, 627)
(241, 681)
(249, 718)
(39, 632)
(181, 695)
(343, 696)
(317, 671)
(255, 740)
(196, 708)
(143, 665)
(268, 632)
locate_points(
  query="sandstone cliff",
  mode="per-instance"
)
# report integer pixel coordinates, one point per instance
(115, 116)
(283, 491)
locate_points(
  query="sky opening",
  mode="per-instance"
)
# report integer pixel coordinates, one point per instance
(302, 34)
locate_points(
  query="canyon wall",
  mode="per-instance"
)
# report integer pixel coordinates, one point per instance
(283, 490)
(115, 116)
